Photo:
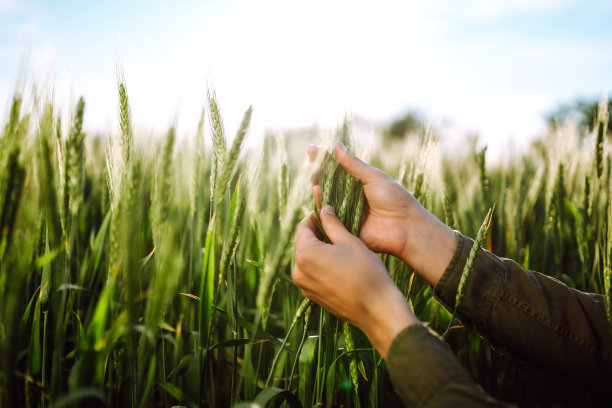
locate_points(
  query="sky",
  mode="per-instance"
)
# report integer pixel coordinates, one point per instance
(493, 68)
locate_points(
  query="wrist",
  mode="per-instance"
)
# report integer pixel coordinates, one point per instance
(429, 245)
(386, 318)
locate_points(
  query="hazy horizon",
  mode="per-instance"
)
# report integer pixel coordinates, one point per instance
(494, 69)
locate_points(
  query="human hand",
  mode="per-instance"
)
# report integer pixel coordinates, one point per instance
(349, 280)
(388, 207)
(393, 221)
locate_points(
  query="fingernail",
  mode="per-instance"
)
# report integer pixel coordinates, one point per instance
(328, 209)
(342, 146)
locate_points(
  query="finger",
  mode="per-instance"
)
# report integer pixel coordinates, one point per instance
(316, 194)
(309, 249)
(305, 233)
(335, 230)
(357, 168)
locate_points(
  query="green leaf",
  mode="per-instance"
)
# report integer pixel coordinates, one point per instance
(47, 258)
(257, 331)
(26, 315)
(306, 369)
(144, 261)
(97, 326)
(45, 282)
(258, 265)
(527, 256)
(234, 203)
(182, 366)
(207, 281)
(78, 396)
(267, 395)
(331, 372)
(573, 210)
(231, 343)
(72, 286)
(34, 352)
(98, 244)
(175, 392)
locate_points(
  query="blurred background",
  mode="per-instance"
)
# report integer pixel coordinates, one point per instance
(505, 70)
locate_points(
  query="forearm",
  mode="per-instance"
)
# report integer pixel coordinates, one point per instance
(388, 316)
(425, 372)
(423, 369)
(429, 245)
(531, 316)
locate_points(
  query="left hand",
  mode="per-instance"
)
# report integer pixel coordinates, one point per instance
(349, 280)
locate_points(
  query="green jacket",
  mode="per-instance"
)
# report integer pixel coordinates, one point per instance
(525, 314)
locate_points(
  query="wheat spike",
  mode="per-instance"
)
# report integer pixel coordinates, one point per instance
(471, 260)
(231, 162)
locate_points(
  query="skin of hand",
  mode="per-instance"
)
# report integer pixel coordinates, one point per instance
(393, 221)
(349, 280)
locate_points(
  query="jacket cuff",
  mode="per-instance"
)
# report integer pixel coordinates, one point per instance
(420, 365)
(483, 289)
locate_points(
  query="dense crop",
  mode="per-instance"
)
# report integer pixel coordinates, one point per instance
(155, 274)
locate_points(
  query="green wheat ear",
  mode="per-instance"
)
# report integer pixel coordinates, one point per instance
(283, 182)
(125, 122)
(230, 164)
(602, 126)
(482, 168)
(470, 264)
(448, 212)
(163, 187)
(75, 161)
(218, 140)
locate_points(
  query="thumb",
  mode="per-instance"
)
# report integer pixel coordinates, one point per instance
(356, 168)
(335, 230)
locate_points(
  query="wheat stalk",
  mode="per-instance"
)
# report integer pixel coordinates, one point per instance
(470, 264)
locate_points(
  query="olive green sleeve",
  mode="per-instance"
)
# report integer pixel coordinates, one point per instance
(426, 373)
(532, 317)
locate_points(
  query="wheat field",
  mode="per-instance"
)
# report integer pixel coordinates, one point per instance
(141, 272)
